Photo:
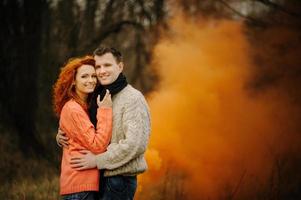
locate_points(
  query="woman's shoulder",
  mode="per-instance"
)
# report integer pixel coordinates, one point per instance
(72, 106)
(72, 112)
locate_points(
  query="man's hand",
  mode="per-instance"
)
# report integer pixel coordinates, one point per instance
(85, 161)
(62, 139)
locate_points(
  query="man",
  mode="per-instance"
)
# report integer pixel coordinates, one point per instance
(124, 158)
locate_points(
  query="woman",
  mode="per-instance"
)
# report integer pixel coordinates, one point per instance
(72, 90)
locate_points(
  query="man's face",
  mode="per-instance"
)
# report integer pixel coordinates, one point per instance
(107, 68)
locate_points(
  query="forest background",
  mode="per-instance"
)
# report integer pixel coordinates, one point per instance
(222, 78)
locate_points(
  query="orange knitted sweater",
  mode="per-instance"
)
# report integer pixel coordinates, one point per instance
(75, 122)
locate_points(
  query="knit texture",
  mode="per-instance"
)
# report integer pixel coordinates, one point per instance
(100, 91)
(75, 122)
(130, 135)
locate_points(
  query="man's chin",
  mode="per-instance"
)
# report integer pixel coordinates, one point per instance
(105, 82)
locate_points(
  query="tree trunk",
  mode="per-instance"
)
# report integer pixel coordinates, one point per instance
(21, 48)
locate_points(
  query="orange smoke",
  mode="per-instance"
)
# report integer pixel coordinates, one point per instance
(212, 137)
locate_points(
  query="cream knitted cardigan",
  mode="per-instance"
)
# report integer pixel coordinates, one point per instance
(130, 135)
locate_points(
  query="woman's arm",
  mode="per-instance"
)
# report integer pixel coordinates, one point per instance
(76, 123)
(84, 132)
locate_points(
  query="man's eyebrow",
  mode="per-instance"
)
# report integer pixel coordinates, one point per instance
(104, 64)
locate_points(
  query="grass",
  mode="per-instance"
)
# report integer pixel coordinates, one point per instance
(26, 178)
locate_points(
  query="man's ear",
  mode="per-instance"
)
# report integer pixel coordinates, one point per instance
(121, 66)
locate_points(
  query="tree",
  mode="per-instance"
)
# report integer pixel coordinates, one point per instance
(20, 47)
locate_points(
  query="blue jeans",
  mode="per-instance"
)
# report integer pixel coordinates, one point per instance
(118, 187)
(81, 196)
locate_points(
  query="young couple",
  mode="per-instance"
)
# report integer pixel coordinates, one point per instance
(104, 128)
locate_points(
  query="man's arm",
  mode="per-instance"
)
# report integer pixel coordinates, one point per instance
(62, 139)
(136, 127)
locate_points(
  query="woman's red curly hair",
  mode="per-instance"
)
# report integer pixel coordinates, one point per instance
(63, 89)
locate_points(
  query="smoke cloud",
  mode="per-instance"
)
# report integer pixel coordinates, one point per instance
(213, 135)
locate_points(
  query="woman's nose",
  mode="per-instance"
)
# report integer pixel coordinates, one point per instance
(91, 79)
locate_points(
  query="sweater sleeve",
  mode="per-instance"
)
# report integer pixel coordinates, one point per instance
(84, 132)
(136, 127)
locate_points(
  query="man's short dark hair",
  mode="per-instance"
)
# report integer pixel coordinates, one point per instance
(101, 50)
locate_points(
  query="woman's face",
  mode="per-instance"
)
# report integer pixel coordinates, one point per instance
(85, 80)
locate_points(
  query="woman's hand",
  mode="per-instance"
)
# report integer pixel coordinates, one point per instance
(106, 102)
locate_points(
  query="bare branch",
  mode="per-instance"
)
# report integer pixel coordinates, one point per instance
(279, 7)
(248, 18)
(144, 11)
(235, 191)
(114, 28)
